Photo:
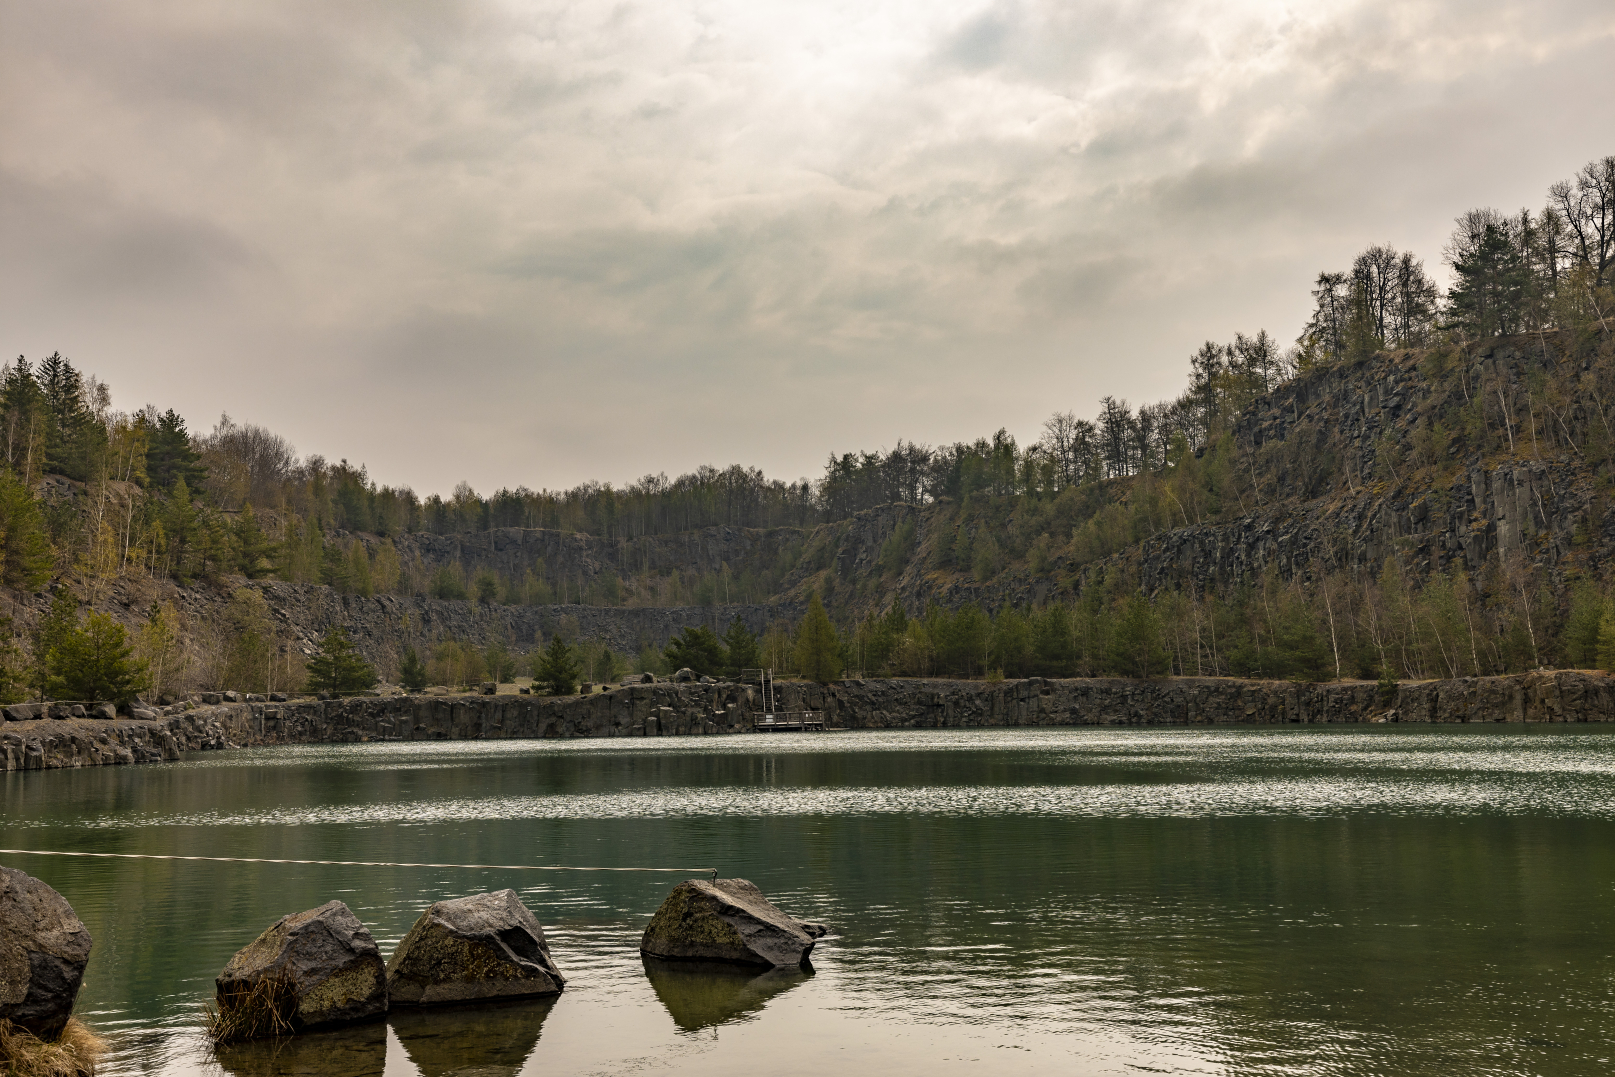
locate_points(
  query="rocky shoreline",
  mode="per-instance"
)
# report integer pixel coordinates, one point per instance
(695, 710)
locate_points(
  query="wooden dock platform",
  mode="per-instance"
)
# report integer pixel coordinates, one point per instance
(797, 722)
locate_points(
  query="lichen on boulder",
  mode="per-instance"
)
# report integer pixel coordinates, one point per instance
(726, 920)
(43, 950)
(308, 970)
(478, 947)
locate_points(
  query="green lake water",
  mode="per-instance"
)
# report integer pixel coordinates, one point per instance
(1080, 901)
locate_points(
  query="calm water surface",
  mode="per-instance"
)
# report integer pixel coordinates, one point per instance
(1094, 901)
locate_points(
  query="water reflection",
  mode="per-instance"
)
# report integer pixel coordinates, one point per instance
(1332, 902)
(699, 994)
(489, 1039)
(354, 1051)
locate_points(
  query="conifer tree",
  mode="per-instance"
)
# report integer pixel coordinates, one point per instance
(742, 647)
(255, 552)
(1606, 639)
(95, 663)
(818, 652)
(1135, 644)
(170, 456)
(556, 669)
(412, 671)
(697, 648)
(338, 667)
(25, 552)
(50, 631)
(359, 569)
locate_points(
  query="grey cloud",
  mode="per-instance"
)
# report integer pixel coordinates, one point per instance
(374, 218)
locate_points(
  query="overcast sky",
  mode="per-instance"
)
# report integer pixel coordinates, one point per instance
(542, 243)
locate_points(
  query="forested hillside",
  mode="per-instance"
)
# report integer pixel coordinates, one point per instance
(1418, 486)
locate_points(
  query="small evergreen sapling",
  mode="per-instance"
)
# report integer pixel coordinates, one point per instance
(339, 667)
(555, 668)
(95, 663)
(412, 671)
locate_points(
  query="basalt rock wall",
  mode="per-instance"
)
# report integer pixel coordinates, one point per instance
(696, 710)
(383, 625)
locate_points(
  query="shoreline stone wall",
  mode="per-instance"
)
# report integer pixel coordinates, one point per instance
(724, 708)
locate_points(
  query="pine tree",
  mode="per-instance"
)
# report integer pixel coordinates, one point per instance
(50, 631)
(555, 668)
(254, 551)
(412, 671)
(95, 663)
(697, 648)
(818, 652)
(338, 667)
(179, 524)
(25, 552)
(1606, 639)
(1488, 295)
(1582, 627)
(742, 647)
(170, 456)
(359, 569)
(1135, 645)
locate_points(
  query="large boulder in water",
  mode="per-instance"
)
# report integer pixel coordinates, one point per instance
(43, 950)
(477, 947)
(313, 969)
(727, 920)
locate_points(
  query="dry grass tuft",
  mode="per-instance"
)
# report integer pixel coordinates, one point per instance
(72, 1054)
(262, 1009)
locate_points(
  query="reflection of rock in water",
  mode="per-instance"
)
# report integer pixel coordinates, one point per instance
(489, 1039)
(699, 994)
(355, 1051)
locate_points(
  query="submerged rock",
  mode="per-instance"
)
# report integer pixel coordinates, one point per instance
(477, 947)
(43, 950)
(726, 920)
(314, 968)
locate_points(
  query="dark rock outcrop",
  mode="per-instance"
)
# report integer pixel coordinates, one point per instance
(660, 710)
(43, 950)
(725, 920)
(326, 960)
(478, 947)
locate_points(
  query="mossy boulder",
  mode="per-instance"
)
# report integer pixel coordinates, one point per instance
(478, 947)
(727, 920)
(311, 969)
(43, 950)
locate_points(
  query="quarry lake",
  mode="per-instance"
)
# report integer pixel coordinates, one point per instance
(1109, 901)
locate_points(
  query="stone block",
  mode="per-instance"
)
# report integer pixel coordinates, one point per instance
(478, 947)
(43, 950)
(727, 920)
(325, 962)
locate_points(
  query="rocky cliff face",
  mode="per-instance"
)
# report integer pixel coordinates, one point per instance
(394, 621)
(1360, 461)
(708, 710)
(572, 560)
(1446, 460)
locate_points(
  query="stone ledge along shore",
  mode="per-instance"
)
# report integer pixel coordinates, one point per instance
(666, 709)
